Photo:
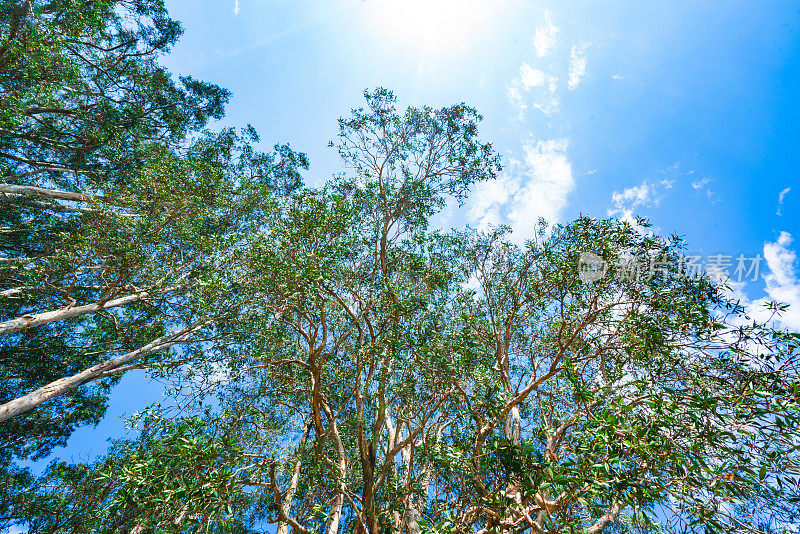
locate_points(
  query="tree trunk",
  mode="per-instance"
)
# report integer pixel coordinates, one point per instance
(335, 513)
(283, 528)
(513, 423)
(392, 432)
(33, 191)
(606, 519)
(66, 384)
(416, 505)
(29, 321)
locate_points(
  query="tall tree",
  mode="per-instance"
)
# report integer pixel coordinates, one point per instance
(388, 377)
(116, 211)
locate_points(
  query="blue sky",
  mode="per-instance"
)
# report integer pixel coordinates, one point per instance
(681, 111)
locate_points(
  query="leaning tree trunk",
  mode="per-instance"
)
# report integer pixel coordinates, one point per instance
(96, 372)
(29, 321)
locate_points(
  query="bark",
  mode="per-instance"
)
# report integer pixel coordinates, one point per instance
(29, 321)
(606, 519)
(11, 293)
(38, 204)
(33, 191)
(391, 431)
(416, 505)
(335, 513)
(513, 423)
(283, 527)
(367, 454)
(96, 372)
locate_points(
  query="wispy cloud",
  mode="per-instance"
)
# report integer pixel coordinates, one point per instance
(545, 38)
(530, 79)
(577, 65)
(235, 7)
(702, 185)
(781, 196)
(698, 185)
(646, 194)
(538, 186)
(782, 282)
(633, 196)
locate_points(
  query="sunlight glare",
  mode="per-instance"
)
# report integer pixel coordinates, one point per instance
(433, 26)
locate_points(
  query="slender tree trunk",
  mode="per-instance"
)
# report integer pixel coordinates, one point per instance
(392, 432)
(416, 505)
(101, 370)
(335, 513)
(417, 502)
(33, 191)
(29, 321)
(11, 293)
(368, 490)
(513, 423)
(283, 528)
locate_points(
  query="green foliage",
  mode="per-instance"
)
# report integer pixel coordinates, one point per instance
(361, 372)
(110, 189)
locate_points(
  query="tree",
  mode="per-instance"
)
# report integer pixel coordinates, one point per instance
(386, 376)
(117, 212)
(87, 124)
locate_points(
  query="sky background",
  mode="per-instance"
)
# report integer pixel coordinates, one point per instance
(684, 112)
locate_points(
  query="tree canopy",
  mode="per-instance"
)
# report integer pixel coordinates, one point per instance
(339, 363)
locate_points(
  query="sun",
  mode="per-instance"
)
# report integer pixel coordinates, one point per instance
(432, 26)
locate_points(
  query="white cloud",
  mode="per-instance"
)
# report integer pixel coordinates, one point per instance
(488, 200)
(549, 183)
(515, 95)
(781, 285)
(545, 38)
(548, 104)
(697, 185)
(235, 7)
(577, 65)
(529, 79)
(781, 196)
(617, 77)
(633, 196)
(536, 187)
(782, 282)
(645, 194)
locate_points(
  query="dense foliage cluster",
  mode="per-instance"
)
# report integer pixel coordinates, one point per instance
(340, 365)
